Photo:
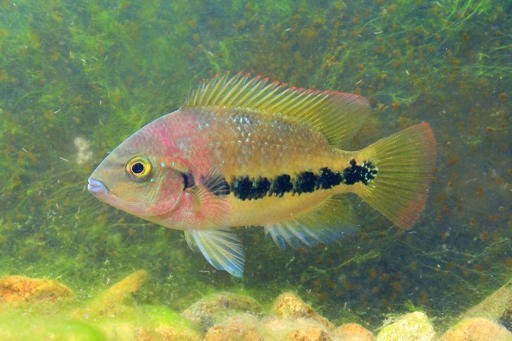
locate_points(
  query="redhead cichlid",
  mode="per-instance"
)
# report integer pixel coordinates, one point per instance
(244, 151)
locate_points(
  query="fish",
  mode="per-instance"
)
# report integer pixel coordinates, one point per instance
(246, 151)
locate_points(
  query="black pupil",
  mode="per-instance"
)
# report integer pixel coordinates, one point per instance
(137, 168)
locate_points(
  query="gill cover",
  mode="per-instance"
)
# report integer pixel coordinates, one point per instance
(136, 177)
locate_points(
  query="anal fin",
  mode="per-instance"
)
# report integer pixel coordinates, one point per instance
(331, 221)
(221, 248)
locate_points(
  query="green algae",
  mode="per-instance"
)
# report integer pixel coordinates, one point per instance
(20, 324)
(101, 69)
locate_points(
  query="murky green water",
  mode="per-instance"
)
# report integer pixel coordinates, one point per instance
(78, 77)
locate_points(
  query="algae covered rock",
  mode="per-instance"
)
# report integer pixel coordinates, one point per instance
(21, 289)
(111, 300)
(217, 307)
(41, 323)
(477, 329)
(412, 326)
(149, 323)
(496, 306)
(239, 327)
(353, 332)
(112, 313)
(295, 329)
(310, 332)
(289, 305)
(238, 317)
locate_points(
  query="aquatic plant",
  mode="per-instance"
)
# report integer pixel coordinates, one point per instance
(98, 70)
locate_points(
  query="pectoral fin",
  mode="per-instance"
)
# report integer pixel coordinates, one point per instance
(209, 205)
(221, 248)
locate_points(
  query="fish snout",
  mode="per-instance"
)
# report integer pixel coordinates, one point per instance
(96, 186)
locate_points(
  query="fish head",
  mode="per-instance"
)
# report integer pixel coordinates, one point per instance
(133, 177)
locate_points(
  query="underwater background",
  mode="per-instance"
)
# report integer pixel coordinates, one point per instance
(78, 77)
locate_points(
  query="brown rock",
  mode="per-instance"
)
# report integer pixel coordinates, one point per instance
(21, 289)
(353, 332)
(477, 329)
(313, 333)
(241, 327)
(303, 329)
(289, 305)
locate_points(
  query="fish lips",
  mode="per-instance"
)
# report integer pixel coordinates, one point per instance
(96, 187)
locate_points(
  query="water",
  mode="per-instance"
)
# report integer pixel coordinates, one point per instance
(77, 78)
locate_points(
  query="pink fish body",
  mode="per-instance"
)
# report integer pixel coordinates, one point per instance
(247, 152)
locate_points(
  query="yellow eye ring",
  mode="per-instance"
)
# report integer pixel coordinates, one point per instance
(138, 168)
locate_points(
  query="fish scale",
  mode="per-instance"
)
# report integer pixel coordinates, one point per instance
(267, 146)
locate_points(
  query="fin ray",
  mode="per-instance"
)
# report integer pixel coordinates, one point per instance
(221, 248)
(331, 221)
(209, 198)
(336, 115)
(405, 161)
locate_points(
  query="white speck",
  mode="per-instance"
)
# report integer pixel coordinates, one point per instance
(162, 164)
(83, 154)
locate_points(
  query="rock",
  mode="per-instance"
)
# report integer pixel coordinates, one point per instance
(21, 289)
(149, 323)
(289, 305)
(109, 300)
(169, 333)
(496, 306)
(477, 329)
(303, 329)
(22, 323)
(353, 332)
(412, 326)
(240, 327)
(308, 332)
(216, 308)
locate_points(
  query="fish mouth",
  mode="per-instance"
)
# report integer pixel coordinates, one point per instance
(96, 186)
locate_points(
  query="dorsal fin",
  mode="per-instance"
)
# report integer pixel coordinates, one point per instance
(336, 115)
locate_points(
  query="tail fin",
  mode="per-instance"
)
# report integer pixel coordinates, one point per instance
(404, 161)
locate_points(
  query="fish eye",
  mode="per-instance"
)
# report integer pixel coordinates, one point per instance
(138, 168)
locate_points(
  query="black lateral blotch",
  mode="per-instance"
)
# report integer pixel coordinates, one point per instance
(355, 173)
(241, 187)
(305, 182)
(246, 188)
(280, 185)
(328, 178)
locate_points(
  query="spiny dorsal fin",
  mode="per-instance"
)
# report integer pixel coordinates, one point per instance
(337, 115)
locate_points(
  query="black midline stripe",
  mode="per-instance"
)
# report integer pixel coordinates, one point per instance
(251, 188)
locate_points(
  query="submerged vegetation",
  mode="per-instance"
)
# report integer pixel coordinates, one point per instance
(76, 78)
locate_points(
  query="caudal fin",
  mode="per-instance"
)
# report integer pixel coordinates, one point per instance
(404, 163)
